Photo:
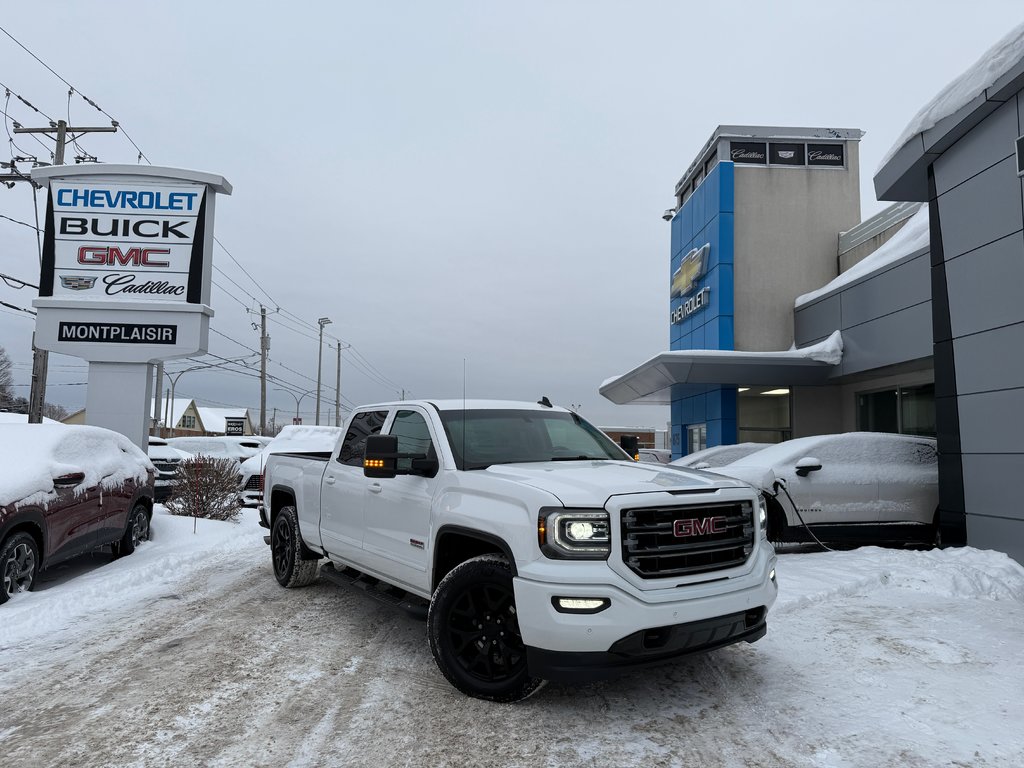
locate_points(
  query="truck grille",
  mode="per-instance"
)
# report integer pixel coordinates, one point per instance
(661, 542)
(254, 483)
(166, 467)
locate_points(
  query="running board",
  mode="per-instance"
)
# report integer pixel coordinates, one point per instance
(378, 590)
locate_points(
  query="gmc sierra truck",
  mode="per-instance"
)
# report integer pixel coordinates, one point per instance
(538, 548)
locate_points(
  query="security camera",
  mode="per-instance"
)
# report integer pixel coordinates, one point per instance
(669, 214)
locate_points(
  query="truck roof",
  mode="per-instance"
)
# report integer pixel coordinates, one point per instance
(470, 405)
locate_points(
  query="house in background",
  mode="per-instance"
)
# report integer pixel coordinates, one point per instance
(191, 420)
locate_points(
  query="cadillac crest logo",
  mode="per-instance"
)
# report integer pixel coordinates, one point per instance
(77, 282)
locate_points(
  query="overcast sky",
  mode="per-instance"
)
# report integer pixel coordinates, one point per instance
(454, 181)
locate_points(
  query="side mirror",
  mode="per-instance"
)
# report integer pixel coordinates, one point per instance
(69, 480)
(806, 465)
(631, 445)
(701, 465)
(381, 456)
(424, 465)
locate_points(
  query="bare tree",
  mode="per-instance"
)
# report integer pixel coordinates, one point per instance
(6, 380)
(55, 411)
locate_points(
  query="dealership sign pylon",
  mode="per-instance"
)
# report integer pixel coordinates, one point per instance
(125, 278)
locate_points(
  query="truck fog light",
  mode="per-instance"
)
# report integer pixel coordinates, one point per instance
(580, 604)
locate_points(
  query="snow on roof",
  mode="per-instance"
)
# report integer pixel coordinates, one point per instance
(829, 351)
(993, 64)
(215, 419)
(180, 405)
(32, 455)
(912, 237)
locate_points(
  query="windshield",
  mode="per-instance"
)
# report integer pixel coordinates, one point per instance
(480, 438)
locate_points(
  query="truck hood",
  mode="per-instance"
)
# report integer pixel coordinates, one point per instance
(592, 483)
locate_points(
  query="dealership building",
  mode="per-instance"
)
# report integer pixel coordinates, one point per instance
(789, 315)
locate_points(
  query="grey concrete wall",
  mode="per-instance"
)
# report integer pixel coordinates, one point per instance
(786, 226)
(817, 411)
(885, 318)
(978, 274)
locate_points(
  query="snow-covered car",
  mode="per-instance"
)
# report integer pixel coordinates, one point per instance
(852, 487)
(64, 491)
(165, 459)
(655, 455)
(717, 455)
(293, 438)
(218, 447)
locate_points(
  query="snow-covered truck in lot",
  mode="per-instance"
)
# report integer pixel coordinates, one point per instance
(541, 550)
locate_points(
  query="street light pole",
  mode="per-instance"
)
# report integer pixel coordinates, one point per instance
(319, 363)
(297, 399)
(177, 375)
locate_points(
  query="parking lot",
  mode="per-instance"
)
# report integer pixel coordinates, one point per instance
(189, 653)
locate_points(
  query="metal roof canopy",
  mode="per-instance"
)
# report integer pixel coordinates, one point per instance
(652, 381)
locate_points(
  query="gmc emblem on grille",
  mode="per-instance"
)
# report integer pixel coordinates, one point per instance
(699, 527)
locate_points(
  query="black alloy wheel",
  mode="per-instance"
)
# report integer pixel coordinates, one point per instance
(484, 633)
(282, 548)
(293, 565)
(474, 632)
(19, 562)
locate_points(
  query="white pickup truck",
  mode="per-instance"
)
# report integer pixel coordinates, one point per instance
(543, 551)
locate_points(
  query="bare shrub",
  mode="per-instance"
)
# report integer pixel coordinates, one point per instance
(206, 487)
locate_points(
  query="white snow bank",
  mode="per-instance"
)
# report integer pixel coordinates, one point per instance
(965, 573)
(913, 236)
(993, 64)
(156, 569)
(32, 455)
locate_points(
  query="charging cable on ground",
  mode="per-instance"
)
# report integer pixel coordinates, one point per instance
(781, 484)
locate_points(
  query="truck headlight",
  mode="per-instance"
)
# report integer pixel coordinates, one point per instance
(574, 534)
(762, 514)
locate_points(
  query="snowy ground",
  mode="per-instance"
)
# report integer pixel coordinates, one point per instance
(189, 653)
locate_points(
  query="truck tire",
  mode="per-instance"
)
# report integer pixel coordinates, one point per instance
(291, 566)
(474, 632)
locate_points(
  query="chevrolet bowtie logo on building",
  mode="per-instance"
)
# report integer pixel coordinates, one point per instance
(77, 283)
(691, 269)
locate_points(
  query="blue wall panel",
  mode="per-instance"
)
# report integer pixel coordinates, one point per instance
(706, 217)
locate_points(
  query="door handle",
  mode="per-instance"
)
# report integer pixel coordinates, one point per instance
(376, 487)
(329, 479)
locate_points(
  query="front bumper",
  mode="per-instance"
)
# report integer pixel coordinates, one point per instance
(639, 626)
(648, 647)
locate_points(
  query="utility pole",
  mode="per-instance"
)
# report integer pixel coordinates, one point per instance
(319, 363)
(40, 357)
(337, 392)
(264, 348)
(156, 392)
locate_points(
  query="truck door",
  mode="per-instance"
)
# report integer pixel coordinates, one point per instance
(396, 517)
(343, 490)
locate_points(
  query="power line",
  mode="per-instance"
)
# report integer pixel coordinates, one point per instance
(20, 309)
(142, 155)
(23, 223)
(246, 273)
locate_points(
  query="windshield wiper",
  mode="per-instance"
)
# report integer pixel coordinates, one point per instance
(578, 458)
